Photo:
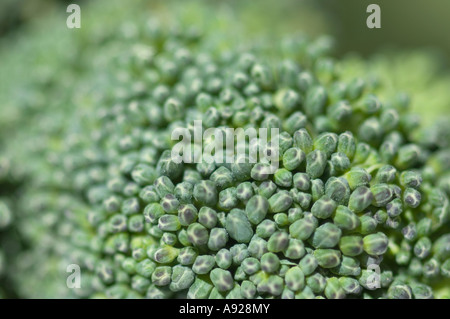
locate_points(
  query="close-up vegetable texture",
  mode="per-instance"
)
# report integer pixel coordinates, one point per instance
(358, 206)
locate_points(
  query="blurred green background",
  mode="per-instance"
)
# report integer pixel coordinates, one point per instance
(405, 24)
(413, 34)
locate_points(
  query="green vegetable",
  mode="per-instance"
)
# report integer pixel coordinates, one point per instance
(357, 205)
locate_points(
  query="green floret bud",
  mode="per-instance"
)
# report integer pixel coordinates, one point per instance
(424, 227)
(130, 206)
(295, 249)
(376, 244)
(294, 214)
(184, 192)
(278, 242)
(118, 223)
(224, 258)
(382, 194)
(411, 197)
(302, 181)
(222, 279)
(163, 186)
(386, 174)
(207, 217)
(169, 223)
(283, 177)
(303, 140)
(348, 267)
(327, 258)
(239, 252)
(280, 202)
(218, 238)
(302, 199)
(308, 264)
(324, 207)
(187, 214)
(326, 142)
(370, 130)
(145, 268)
(445, 268)
(410, 179)
(197, 234)
(144, 174)
(394, 208)
(251, 265)
(345, 219)
(227, 199)
(316, 283)
(170, 204)
(389, 119)
(205, 169)
(266, 228)
(162, 275)
(248, 289)
(339, 111)
(368, 224)
(267, 189)
(182, 278)
(399, 290)
(136, 224)
(363, 151)
(303, 228)
(205, 193)
(350, 285)
(241, 169)
(347, 144)
(326, 236)
(315, 101)
(270, 263)
(222, 177)
(408, 156)
(316, 162)
(273, 285)
(360, 199)
(257, 247)
(191, 176)
(295, 279)
(338, 190)
(287, 100)
(369, 104)
(317, 189)
(422, 291)
(430, 268)
(238, 226)
(333, 289)
(169, 239)
(340, 162)
(200, 289)
(244, 192)
(441, 247)
(357, 177)
(351, 245)
(294, 122)
(140, 284)
(422, 248)
(203, 264)
(164, 255)
(260, 172)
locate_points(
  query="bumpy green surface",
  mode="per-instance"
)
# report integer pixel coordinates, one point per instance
(360, 190)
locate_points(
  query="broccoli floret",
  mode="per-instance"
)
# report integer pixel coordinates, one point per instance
(358, 206)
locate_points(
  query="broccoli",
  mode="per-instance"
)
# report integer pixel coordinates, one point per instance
(358, 207)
